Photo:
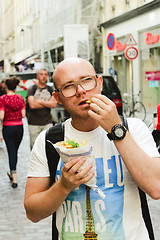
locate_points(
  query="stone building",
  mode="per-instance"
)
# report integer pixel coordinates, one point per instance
(41, 33)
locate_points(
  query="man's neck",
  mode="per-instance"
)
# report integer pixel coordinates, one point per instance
(84, 125)
(40, 85)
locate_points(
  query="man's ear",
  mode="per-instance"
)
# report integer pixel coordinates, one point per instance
(100, 78)
(56, 96)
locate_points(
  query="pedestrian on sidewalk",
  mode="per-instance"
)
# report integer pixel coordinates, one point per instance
(2, 92)
(123, 160)
(12, 110)
(40, 102)
(2, 88)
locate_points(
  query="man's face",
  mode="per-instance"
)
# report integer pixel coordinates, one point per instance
(42, 76)
(73, 73)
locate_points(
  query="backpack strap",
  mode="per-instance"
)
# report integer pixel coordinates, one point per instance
(53, 135)
(143, 199)
(146, 214)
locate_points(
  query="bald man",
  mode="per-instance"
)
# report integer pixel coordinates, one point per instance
(122, 161)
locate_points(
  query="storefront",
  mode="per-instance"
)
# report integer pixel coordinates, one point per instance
(149, 66)
(144, 25)
(149, 46)
(120, 66)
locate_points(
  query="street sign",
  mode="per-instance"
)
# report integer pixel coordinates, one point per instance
(130, 41)
(131, 53)
(111, 41)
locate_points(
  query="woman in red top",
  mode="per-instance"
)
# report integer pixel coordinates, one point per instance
(12, 110)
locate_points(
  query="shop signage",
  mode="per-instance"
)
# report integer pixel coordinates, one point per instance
(152, 76)
(120, 47)
(130, 41)
(111, 41)
(153, 84)
(131, 53)
(150, 39)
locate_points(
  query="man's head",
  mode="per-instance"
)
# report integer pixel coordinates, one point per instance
(78, 75)
(42, 76)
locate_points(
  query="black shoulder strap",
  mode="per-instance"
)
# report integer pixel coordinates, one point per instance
(53, 135)
(144, 203)
(146, 214)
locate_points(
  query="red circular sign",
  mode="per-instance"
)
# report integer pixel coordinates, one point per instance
(131, 53)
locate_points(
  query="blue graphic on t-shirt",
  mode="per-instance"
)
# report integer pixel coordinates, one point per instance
(110, 181)
(107, 213)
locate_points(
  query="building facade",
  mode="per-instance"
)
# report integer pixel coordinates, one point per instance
(33, 35)
(135, 24)
(36, 36)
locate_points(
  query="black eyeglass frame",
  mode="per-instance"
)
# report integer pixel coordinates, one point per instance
(78, 83)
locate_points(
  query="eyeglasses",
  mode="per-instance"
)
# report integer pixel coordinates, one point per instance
(70, 89)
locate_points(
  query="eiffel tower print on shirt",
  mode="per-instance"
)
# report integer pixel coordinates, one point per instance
(90, 233)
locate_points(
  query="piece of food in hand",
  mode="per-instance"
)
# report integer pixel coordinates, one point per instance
(88, 101)
(68, 144)
(70, 149)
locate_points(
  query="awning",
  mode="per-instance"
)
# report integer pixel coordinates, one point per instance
(32, 57)
(18, 59)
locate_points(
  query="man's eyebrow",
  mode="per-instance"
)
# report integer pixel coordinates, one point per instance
(72, 81)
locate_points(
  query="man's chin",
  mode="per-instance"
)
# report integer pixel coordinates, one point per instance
(81, 115)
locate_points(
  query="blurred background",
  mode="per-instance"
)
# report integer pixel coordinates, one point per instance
(41, 33)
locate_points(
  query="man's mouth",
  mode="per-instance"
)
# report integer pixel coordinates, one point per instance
(85, 102)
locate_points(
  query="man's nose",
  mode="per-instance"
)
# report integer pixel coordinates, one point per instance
(80, 90)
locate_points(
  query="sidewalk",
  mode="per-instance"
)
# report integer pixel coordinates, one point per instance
(13, 222)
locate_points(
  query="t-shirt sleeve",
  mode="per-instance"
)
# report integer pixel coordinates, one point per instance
(143, 137)
(38, 162)
(30, 91)
(50, 89)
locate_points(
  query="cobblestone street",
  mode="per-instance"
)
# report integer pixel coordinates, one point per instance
(13, 222)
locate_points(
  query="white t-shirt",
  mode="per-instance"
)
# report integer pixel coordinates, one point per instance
(118, 216)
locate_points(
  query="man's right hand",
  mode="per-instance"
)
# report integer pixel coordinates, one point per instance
(72, 177)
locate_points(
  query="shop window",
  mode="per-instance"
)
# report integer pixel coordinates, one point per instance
(121, 68)
(150, 63)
